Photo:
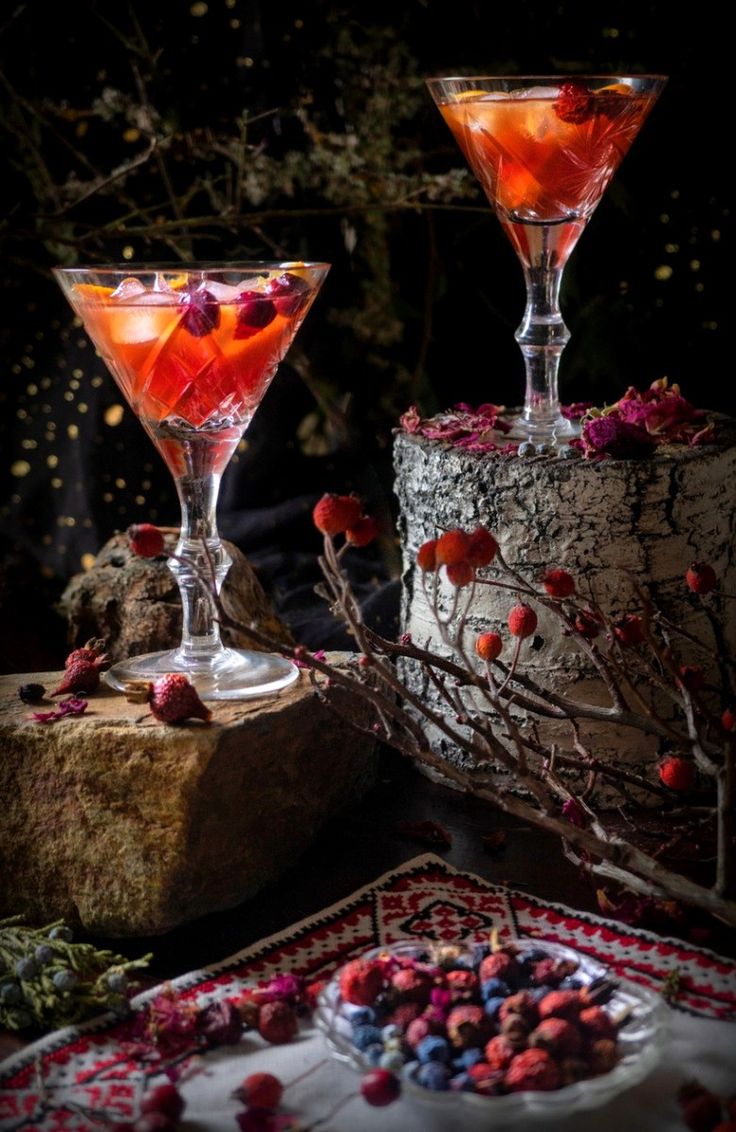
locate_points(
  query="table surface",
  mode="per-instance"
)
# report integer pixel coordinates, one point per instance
(359, 845)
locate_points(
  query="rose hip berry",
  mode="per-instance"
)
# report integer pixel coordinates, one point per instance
(728, 719)
(701, 578)
(145, 540)
(81, 676)
(334, 514)
(361, 981)
(677, 774)
(629, 630)
(692, 677)
(260, 1090)
(558, 583)
(460, 574)
(488, 646)
(173, 699)
(452, 548)
(379, 1087)
(427, 556)
(277, 1022)
(588, 624)
(533, 1069)
(166, 1099)
(482, 547)
(362, 532)
(522, 621)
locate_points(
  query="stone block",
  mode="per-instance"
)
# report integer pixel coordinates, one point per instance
(130, 827)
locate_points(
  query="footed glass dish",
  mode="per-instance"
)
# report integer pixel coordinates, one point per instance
(641, 1038)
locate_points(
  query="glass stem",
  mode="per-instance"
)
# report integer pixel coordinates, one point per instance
(542, 336)
(200, 639)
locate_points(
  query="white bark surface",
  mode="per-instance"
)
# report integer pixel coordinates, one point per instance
(606, 522)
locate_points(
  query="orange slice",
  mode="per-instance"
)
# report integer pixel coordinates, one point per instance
(93, 291)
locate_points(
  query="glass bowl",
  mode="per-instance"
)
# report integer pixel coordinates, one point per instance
(641, 1039)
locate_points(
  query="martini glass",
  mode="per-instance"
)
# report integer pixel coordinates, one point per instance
(193, 350)
(544, 150)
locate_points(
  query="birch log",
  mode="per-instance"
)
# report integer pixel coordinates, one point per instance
(605, 521)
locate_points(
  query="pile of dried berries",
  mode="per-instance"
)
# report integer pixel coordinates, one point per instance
(494, 1021)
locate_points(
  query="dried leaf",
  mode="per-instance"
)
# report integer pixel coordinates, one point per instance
(425, 832)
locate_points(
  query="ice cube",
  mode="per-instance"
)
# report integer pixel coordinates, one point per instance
(154, 299)
(550, 92)
(148, 323)
(223, 292)
(128, 289)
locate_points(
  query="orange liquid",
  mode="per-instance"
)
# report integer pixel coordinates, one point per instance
(195, 395)
(534, 166)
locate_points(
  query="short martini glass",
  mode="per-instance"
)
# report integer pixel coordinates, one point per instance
(193, 349)
(544, 149)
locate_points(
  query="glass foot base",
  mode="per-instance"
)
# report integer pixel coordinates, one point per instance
(232, 674)
(558, 430)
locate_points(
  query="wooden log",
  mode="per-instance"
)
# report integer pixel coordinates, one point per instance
(130, 827)
(607, 522)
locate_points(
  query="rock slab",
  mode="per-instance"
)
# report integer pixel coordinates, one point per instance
(134, 605)
(130, 827)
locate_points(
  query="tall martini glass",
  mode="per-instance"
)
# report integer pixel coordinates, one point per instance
(544, 149)
(193, 349)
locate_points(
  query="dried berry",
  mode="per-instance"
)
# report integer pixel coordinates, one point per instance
(574, 103)
(334, 514)
(588, 624)
(499, 965)
(260, 1090)
(413, 985)
(362, 532)
(145, 540)
(629, 630)
(561, 1004)
(379, 1087)
(602, 1055)
(81, 676)
(173, 699)
(31, 693)
(467, 1026)
(201, 312)
(165, 1099)
(255, 312)
(277, 1022)
(677, 774)
(488, 646)
(522, 620)
(701, 578)
(522, 1005)
(481, 547)
(361, 981)
(558, 583)
(692, 677)
(452, 548)
(427, 556)
(559, 1037)
(485, 1078)
(533, 1069)
(728, 719)
(220, 1023)
(499, 1052)
(460, 574)
(596, 1023)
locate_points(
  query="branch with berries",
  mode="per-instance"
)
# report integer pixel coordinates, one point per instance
(635, 658)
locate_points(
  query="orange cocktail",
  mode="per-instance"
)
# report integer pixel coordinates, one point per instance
(544, 150)
(193, 349)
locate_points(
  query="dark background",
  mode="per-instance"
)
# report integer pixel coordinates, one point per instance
(304, 130)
